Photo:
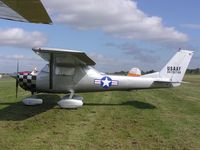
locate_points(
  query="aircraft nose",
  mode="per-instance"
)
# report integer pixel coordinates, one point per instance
(27, 81)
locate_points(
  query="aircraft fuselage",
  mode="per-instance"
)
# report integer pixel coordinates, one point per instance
(86, 79)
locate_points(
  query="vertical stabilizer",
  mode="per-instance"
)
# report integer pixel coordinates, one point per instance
(176, 67)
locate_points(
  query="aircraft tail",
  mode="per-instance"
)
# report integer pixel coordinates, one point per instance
(177, 66)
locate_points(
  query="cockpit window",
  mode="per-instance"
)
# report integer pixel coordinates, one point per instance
(64, 71)
(60, 70)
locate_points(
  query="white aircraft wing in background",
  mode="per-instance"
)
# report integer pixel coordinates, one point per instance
(31, 11)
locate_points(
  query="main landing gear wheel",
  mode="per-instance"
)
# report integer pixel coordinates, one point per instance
(32, 101)
(71, 101)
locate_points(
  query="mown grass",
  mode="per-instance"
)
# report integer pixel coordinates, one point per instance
(149, 119)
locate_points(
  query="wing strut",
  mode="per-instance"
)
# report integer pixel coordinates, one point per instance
(51, 70)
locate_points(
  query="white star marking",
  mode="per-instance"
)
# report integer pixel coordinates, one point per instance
(106, 82)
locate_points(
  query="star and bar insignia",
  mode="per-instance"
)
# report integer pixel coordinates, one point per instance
(106, 82)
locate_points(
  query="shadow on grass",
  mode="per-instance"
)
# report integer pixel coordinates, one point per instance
(135, 103)
(18, 111)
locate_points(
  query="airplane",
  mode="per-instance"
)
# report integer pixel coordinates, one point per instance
(71, 71)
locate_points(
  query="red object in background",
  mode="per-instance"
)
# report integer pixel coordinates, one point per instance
(24, 72)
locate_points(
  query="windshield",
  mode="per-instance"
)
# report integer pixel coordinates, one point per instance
(45, 69)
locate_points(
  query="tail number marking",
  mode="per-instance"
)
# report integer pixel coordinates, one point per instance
(174, 69)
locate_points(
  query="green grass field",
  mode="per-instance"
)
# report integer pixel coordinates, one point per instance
(149, 119)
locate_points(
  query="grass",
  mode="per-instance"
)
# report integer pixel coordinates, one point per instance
(149, 119)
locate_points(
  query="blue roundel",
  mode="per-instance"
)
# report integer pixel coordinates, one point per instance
(106, 82)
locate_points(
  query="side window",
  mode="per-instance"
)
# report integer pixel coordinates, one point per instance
(64, 65)
(64, 71)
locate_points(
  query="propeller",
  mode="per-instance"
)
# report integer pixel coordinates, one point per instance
(51, 69)
(17, 82)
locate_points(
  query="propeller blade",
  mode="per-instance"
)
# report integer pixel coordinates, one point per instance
(17, 78)
(51, 71)
(17, 83)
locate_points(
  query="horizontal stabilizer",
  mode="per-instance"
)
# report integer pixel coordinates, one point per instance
(166, 84)
(162, 84)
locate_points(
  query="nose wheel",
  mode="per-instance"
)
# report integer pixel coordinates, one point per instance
(31, 101)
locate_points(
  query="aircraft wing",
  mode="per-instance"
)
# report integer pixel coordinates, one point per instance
(62, 58)
(24, 10)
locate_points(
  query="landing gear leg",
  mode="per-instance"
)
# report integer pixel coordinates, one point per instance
(32, 93)
(71, 94)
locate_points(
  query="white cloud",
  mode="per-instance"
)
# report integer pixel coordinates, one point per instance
(191, 26)
(20, 38)
(107, 64)
(119, 18)
(8, 63)
(18, 57)
(139, 54)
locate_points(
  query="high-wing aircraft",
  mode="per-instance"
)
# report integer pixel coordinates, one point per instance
(70, 72)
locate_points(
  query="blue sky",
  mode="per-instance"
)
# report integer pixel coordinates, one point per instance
(117, 34)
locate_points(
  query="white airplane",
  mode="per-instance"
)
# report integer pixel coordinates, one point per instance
(70, 72)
